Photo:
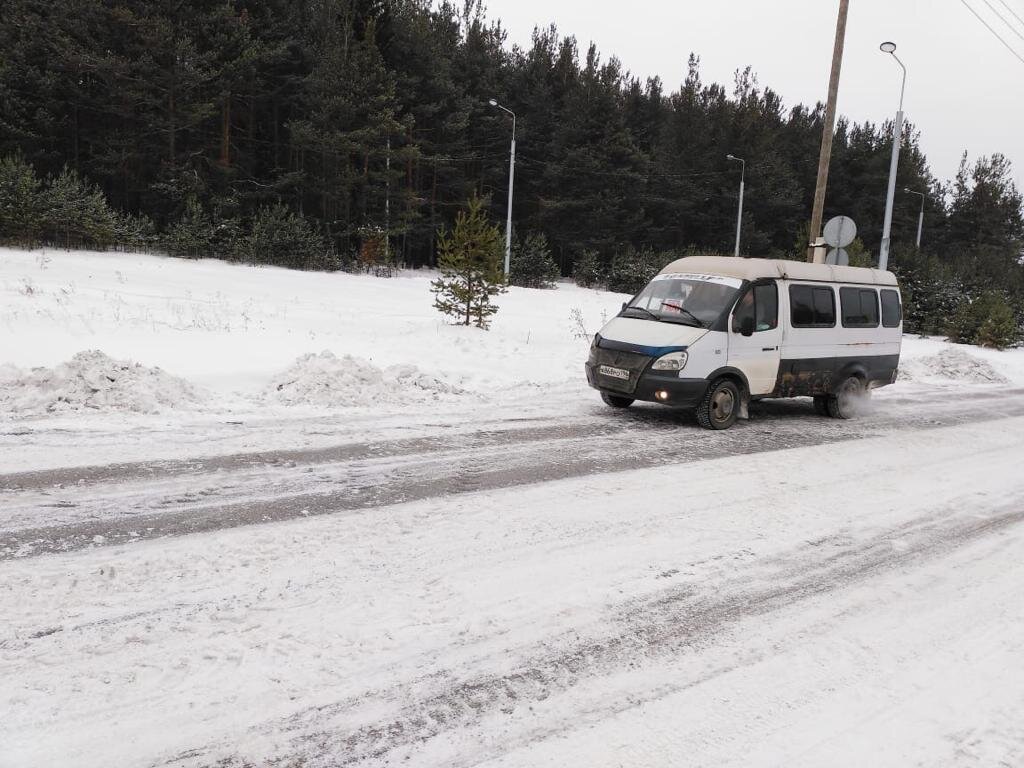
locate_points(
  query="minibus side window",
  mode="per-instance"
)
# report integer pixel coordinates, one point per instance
(824, 306)
(766, 307)
(860, 307)
(760, 303)
(744, 309)
(812, 306)
(891, 310)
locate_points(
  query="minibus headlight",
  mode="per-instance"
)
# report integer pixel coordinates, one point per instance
(673, 361)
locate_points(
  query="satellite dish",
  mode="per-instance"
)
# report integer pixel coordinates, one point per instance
(840, 231)
(838, 256)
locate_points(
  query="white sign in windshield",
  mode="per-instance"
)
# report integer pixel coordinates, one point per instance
(732, 282)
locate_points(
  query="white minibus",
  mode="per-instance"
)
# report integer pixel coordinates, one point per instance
(713, 333)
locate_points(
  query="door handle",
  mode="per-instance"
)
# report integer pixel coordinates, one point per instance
(768, 349)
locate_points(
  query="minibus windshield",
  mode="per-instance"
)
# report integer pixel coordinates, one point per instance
(684, 298)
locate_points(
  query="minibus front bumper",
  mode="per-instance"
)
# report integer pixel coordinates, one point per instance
(663, 387)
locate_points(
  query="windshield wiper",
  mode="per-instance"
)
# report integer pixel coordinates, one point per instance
(681, 308)
(644, 310)
(663, 319)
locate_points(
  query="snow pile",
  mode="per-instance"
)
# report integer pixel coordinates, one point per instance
(329, 381)
(92, 380)
(952, 364)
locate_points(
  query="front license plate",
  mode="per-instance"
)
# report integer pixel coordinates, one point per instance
(615, 373)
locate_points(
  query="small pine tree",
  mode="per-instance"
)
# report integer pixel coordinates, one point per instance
(470, 260)
(135, 232)
(623, 272)
(987, 321)
(998, 327)
(859, 255)
(21, 205)
(282, 238)
(531, 264)
(190, 237)
(587, 272)
(374, 254)
(77, 213)
(630, 270)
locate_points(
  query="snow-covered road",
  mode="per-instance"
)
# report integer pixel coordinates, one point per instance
(316, 526)
(774, 603)
(61, 509)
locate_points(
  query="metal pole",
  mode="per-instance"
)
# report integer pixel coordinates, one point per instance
(825, 154)
(920, 216)
(897, 139)
(739, 213)
(920, 224)
(511, 177)
(508, 219)
(739, 216)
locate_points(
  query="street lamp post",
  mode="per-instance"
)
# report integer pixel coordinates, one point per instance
(897, 136)
(920, 216)
(511, 177)
(739, 214)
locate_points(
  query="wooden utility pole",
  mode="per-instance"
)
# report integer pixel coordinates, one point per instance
(826, 133)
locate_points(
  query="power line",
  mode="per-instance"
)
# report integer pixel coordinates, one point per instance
(989, 28)
(1003, 19)
(1007, 6)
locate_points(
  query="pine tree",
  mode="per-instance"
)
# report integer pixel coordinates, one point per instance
(531, 263)
(470, 259)
(192, 236)
(278, 236)
(21, 205)
(587, 271)
(999, 329)
(630, 270)
(987, 320)
(361, 113)
(76, 213)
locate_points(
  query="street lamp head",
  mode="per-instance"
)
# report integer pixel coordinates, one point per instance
(730, 157)
(887, 47)
(493, 103)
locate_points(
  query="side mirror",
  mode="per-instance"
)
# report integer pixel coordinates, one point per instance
(624, 305)
(747, 326)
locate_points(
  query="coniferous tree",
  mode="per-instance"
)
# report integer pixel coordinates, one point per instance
(374, 113)
(278, 236)
(470, 259)
(21, 202)
(76, 213)
(986, 320)
(531, 265)
(587, 271)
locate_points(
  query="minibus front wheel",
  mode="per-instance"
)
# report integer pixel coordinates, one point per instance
(615, 401)
(721, 405)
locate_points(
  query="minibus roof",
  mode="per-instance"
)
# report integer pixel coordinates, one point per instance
(756, 269)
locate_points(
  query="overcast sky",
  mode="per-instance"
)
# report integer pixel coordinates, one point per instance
(964, 89)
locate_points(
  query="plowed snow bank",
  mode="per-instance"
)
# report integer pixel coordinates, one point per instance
(327, 380)
(952, 364)
(93, 381)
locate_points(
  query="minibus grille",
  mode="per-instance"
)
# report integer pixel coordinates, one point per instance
(630, 361)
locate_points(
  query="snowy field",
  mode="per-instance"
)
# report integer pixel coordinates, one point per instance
(262, 517)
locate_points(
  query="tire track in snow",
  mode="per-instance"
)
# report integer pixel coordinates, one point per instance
(599, 422)
(646, 437)
(676, 620)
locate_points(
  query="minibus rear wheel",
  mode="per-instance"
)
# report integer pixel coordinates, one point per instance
(720, 406)
(847, 399)
(615, 401)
